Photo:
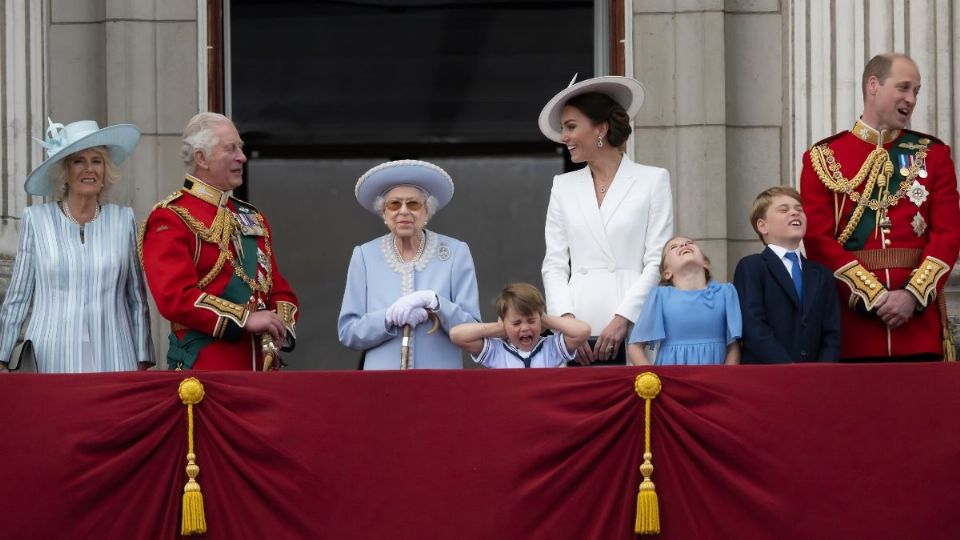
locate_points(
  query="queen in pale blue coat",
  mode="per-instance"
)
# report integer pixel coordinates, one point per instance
(410, 276)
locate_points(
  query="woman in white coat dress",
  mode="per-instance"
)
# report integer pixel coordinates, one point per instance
(606, 223)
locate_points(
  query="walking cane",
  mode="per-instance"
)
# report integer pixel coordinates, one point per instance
(405, 343)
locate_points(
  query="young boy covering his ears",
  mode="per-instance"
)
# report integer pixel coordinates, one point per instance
(514, 341)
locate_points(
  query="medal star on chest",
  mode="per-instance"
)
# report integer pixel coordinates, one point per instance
(917, 193)
(919, 224)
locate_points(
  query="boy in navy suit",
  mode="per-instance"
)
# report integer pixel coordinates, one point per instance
(789, 304)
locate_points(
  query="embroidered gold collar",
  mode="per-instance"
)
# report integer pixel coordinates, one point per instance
(872, 136)
(203, 191)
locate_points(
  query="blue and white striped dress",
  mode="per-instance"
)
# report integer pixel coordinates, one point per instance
(90, 311)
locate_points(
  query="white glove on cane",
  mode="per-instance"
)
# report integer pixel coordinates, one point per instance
(417, 316)
(412, 308)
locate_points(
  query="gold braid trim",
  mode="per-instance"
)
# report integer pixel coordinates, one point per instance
(862, 282)
(877, 169)
(923, 282)
(142, 231)
(224, 309)
(220, 232)
(287, 311)
(140, 234)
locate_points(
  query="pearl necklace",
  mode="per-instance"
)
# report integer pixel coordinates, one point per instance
(396, 249)
(66, 211)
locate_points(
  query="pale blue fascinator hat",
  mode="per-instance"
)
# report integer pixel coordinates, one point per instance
(624, 90)
(405, 172)
(62, 141)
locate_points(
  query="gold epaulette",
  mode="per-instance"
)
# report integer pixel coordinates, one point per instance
(226, 311)
(923, 280)
(143, 224)
(172, 197)
(862, 282)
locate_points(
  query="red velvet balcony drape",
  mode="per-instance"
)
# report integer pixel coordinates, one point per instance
(747, 452)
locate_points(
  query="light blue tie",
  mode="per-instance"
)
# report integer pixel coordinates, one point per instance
(795, 273)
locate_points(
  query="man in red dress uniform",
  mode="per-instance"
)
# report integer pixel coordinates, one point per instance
(884, 215)
(209, 261)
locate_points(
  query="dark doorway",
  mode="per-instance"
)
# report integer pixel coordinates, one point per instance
(321, 91)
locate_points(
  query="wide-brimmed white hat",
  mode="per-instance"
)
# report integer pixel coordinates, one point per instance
(405, 172)
(624, 90)
(62, 141)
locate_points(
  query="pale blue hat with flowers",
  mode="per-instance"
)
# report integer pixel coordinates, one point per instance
(62, 141)
(404, 172)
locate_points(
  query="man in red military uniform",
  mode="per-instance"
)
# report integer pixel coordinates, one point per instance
(884, 215)
(209, 262)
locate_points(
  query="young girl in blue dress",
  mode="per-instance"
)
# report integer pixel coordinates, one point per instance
(692, 320)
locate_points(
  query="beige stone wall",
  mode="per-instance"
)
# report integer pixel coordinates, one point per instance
(130, 61)
(113, 61)
(714, 113)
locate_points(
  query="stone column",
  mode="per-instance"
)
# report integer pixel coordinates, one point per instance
(21, 110)
(756, 116)
(678, 54)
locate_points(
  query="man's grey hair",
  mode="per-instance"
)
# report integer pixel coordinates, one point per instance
(198, 135)
(430, 200)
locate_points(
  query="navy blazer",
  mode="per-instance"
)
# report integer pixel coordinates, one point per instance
(776, 328)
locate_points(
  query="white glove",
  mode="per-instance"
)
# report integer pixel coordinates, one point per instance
(417, 316)
(401, 310)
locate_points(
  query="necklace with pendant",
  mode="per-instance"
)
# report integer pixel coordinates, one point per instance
(602, 186)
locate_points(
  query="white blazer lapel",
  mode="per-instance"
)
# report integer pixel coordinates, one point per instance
(587, 201)
(620, 186)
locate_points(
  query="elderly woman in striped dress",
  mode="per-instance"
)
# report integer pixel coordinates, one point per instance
(76, 266)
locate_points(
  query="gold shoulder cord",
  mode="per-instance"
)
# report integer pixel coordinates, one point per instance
(142, 231)
(877, 169)
(220, 232)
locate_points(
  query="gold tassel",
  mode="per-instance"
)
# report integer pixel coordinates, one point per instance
(647, 386)
(949, 351)
(193, 520)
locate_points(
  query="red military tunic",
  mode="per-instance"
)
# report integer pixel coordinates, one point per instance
(884, 218)
(209, 262)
